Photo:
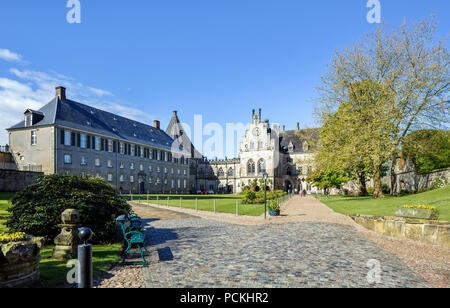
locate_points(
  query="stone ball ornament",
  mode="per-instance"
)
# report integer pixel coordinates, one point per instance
(85, 234)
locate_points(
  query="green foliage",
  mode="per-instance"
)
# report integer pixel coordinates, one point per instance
(251, 197)
(274, 206)
(325, 179)
(428, 149)
(37, 209)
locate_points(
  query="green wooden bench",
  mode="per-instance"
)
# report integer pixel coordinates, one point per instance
(133, 238)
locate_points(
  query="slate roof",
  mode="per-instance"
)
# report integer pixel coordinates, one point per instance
(297, 137)
(81, 117)
(173, 129)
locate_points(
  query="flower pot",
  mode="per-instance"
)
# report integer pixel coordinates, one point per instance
(274, 212)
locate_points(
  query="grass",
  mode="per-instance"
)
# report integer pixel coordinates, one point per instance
(386, 206)
(224, 203)
(4, 204)
(54, 272)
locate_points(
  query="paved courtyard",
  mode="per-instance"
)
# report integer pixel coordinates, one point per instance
(196, 252)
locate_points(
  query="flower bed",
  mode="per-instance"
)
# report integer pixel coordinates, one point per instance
(418, 212)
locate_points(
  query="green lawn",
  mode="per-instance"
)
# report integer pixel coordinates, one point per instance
(54, 272)
(224, 203)
(439, 198)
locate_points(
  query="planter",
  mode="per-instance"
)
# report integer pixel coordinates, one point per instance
(19, 263)
(417, 213)
(274, 212)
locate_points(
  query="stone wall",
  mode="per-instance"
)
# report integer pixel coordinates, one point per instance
(13, 180)
(433, 232)
(410, 181)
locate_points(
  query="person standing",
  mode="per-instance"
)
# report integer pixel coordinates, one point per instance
(304, 192)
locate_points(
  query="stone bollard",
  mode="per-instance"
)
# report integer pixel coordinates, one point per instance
(67, 241)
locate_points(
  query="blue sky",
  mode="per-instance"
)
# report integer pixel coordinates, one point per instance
(144, 58)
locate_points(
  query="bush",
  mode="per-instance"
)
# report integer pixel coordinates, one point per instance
(251, 197)
(370, 191)
(37, 209)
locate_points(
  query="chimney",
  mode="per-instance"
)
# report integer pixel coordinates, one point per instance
(298, 125)
(253, 113)
(61, 93)
(260, 114)
(284, 127)
(157, 124)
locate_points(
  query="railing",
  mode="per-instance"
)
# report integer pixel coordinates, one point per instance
(8, 166)
(31, 168)
(4, 149)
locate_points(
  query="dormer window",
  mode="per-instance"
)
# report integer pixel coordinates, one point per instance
(28, 120)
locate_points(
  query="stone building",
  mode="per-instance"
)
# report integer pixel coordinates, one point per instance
(286, 156)
(66, 137)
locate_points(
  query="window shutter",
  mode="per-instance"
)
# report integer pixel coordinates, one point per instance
(103, 144)
(78, 140)
(88, 145)
(62, 136)
(114, 146)
(73, 141)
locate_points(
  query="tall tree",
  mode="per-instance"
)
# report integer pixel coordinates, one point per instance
(408, 66)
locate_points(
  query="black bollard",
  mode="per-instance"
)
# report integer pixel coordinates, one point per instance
(85, 272)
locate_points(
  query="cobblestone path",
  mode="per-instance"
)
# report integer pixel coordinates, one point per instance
(195, 252)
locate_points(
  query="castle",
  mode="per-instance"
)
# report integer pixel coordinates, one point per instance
(67, 137)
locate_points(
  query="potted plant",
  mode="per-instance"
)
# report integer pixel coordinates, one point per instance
(274, 208)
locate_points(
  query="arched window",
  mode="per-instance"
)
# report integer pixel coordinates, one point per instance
(261, 166)
(251, 167)
(230, 172)
(221, 173)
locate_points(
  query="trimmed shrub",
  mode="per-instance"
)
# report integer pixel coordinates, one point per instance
(37, 209)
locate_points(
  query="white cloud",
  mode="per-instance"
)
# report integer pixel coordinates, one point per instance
(7, 55)
(33, 89)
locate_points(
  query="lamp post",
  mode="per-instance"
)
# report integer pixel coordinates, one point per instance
(265, 175)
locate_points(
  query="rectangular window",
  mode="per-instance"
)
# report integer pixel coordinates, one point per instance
(110, 145)
(110, 163)
(28, 120)
(98, 144)
(158, 155)
(110, 177)
(141, 167)
(33, 137)
(83, 160)
(133, 149)
(132, 166)
(172, 184)
(184, 183)
(122, 165)
(83, 141)
(67, 159)
(179, 183)
(97, 162)
(131, 179)
(121, 178)
(121, 148)
(67, 138)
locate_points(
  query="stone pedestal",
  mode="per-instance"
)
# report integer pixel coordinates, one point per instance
(67, 241)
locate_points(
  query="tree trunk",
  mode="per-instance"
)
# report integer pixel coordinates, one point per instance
(378, 190)
(362, 184)
(394, 188)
